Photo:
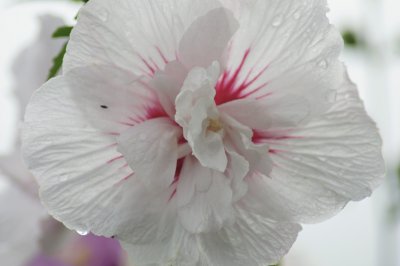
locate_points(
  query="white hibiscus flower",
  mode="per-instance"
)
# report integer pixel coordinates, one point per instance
(201, 132)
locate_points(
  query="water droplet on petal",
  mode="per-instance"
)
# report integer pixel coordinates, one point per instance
(277, 21)
(83, 232)
(323, 64)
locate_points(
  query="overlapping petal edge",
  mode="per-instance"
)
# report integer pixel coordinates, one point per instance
(201, 132)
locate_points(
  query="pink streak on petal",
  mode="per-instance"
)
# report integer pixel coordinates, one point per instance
(178, 170)
(112, 145)
(135, 120)
(263, 96)
(155, 111)
(228, 87)
(262, 86)
(115, 159)
(162, 55)
(272, 136)
(126, 124)
(172, 195)
(152, 109)
(274, 151)
(157, 68)
(182, 139)
(127, 177)
(113, 133)
(150, 67)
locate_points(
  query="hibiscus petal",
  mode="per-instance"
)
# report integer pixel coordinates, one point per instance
(252, 240)
(284, 51)
(323, 164)
(151, 150)
(239, 138)
(196, 49)
(249, 112)
(138, 36)
(208, 147)
(168, 83)
(272, 112)
(181, 248)
(112, 99)
(194, 107)
(77, 167)
(237, 170)
(208, 209)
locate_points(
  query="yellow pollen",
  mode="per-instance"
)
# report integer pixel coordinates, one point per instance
(214, 125)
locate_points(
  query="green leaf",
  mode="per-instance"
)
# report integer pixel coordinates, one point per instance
(62, 32)
(57, 62)
(350, 38)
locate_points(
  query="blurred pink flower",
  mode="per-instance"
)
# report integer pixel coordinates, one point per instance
(87, 250)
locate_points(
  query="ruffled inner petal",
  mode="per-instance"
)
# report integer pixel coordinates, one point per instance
(195, 110)
(210, 206)
(240, 139)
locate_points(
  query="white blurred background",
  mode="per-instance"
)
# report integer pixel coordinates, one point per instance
(366, 233)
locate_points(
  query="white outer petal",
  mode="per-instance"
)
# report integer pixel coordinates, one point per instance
(80, 183)
(111, 99)
(249, 112)
(151, 150)
(126, 33)
(252, 240)
(292, 55)
(327, 162)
